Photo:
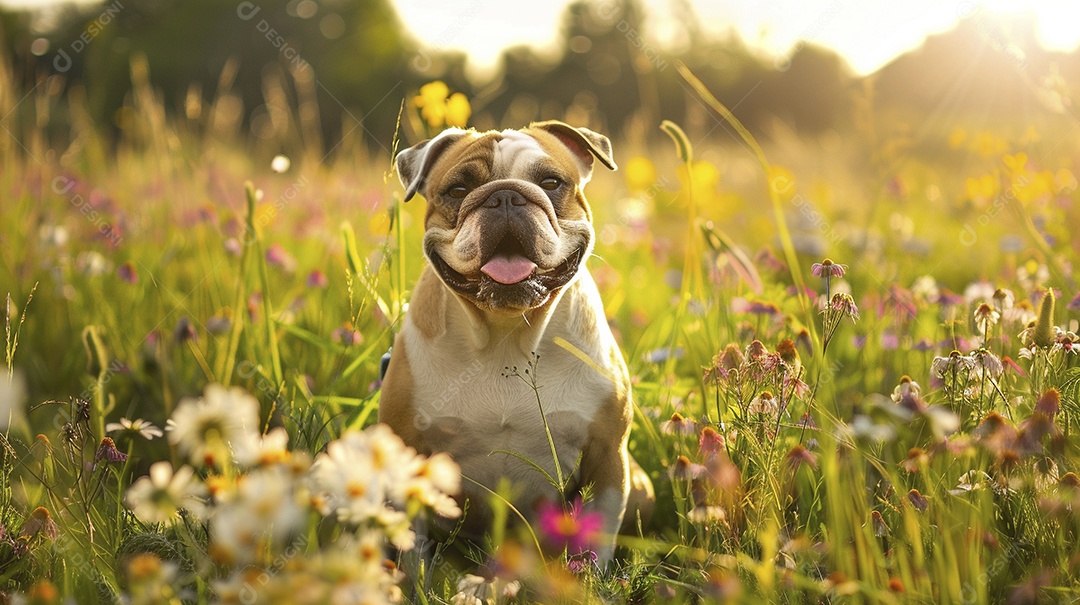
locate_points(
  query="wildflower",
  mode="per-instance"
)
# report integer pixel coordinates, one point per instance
(1074, 304)
(265, 450)
(233, 246)
(580, 562)
(1069, 342)
(916, 460)
(140, 427)
(985, 318)
(971, 481)
(317, 279)
(363, 470)
(896, 585)
(790, 355)
(1009, 364)
(845, 304)
(926, 289)
(955, 362)
(277, 256)
(92, 263)
(980, 290)
(986, 363)
(706, 514)
(159, 497)
(711, 443)
(906, 394)
(107, 451)
(40, 521)
(678, 425)
(1049, 403)
(12, 397)
(204, 428)
(42, 592)
(432, 480)
(127, 273)
(764, 404)
(1004, 298)
(683, 468)
(184, 331)
(919, 501)
(799, 456)
(439, 108)
(1022, 313)
(755, 350)
(218, 324)
(575, 528)
(995, 433)
(827, 269)
(264, 505)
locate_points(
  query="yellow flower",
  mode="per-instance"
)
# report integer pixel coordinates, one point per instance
(1064, 181)
(980, 188)
(458, 110)
(704, 176)
(1016, 163)
(640, 174)
(439, 108)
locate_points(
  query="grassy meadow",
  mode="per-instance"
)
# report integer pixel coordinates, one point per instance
(194, 328)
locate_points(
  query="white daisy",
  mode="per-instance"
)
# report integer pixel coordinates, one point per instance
(159, 497)
(204, 428)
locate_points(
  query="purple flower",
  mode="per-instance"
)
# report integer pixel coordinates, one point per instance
(1074, 304)
(127, 272)
(107, 451)
(580, 562)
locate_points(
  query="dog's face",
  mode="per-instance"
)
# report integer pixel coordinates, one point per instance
(507, 224)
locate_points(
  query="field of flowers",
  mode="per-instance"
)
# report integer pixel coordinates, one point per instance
(194, 326)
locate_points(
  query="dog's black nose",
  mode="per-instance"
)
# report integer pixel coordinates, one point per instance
(505, 197)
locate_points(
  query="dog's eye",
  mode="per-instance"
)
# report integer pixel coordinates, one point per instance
(550, 184)
(458, 192)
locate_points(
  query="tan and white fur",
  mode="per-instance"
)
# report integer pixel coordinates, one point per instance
(507, 234)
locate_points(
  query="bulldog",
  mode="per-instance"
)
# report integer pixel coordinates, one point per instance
(505, 332)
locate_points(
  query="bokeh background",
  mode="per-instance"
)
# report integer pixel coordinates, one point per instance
(808, 68)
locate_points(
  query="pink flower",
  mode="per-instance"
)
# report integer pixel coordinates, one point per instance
(316, 279)
(572, 527)
(711, 443)
(277, 256)
(827, 268)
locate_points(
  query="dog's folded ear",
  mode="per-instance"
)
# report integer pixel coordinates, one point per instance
(414, 163)
(583, 142)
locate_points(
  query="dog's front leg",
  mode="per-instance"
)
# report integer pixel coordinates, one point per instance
(605, 465)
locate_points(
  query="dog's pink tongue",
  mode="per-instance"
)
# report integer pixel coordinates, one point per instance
(508, 269)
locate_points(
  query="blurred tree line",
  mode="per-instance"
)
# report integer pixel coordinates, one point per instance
(329, 67)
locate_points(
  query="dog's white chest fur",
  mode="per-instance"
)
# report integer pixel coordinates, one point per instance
(488, 418)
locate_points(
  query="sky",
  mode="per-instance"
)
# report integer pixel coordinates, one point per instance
(867, 33)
